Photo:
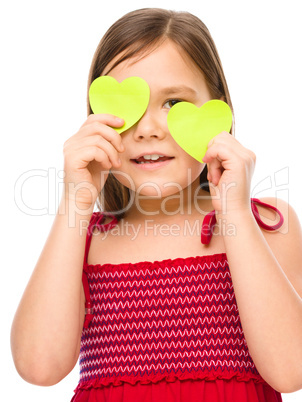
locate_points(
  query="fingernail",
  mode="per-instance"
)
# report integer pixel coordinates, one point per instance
(119, 120)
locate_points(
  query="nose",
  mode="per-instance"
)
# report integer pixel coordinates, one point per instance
(149, 127)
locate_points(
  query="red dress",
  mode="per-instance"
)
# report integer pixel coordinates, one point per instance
(166, 331)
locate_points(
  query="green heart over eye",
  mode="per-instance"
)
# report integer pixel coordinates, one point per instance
(192, 127)
(127, 100)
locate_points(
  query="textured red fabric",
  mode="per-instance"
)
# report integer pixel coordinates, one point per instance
(164, 331)
(182, 391)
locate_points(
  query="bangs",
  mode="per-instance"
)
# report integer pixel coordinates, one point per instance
(135, 51)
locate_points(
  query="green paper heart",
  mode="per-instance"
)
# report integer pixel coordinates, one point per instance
(192, 127)
(127, 100)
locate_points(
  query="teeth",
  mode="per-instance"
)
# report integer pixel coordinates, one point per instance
(153, 157)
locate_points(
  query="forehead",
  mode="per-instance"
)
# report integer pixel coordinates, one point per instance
(163, 62)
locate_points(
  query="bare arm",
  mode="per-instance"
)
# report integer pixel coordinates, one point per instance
(47, 327)
(46, 331)
(267, 293)
(266, 269)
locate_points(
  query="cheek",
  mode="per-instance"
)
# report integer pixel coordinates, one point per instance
(193, 173)
(124, 178)
(192, 166)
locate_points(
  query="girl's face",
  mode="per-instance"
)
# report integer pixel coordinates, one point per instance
(172, 77)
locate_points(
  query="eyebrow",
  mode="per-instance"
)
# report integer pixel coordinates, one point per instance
(178, 89)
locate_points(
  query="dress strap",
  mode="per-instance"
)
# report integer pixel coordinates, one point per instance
(210, 220)
(96, 220)
(258, 219)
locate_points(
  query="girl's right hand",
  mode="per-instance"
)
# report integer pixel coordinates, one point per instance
(92, 150)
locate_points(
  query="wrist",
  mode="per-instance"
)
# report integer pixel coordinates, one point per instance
(73, 206)
(80, 198)
(235, 223)
(76, 218)
(234, 215)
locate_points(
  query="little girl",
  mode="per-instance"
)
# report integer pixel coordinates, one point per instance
(182, 288)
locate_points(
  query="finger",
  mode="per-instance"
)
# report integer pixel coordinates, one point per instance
(91, 154)
(103, 131)
(211, 142)
(215, 170)
(220, 151)
(108, 119)
(101, 143)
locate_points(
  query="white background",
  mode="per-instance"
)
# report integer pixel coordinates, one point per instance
(46, 50)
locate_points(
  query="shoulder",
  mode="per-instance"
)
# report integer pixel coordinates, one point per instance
(285, 242)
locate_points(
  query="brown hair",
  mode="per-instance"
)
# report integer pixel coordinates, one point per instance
(141, 31)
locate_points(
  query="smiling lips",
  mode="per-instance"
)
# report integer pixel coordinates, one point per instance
(151, 158)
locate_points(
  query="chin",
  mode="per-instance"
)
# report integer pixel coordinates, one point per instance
(158, 186)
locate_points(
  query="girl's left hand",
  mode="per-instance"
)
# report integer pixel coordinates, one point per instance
(230, 171)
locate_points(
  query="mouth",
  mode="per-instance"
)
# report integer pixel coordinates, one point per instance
(151, 159)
